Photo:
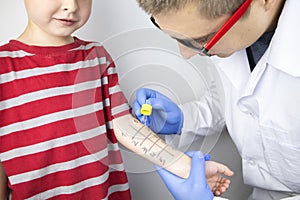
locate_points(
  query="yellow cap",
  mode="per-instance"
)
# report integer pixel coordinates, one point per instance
(146, 109)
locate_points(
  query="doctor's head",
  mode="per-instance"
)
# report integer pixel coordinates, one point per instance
(212, 27)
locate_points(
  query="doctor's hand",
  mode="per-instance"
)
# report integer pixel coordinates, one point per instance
(205, 179)
(194, 187)
(166, 117)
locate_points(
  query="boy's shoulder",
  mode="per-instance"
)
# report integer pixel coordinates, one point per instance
(12, 50)
(87, 42)
(6, 47)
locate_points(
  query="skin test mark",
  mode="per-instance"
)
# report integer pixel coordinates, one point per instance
(140, 139)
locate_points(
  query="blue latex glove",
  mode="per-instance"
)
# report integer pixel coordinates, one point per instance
(194, 187)
(166, 117)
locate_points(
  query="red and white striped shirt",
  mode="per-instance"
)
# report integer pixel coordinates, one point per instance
(56, 111)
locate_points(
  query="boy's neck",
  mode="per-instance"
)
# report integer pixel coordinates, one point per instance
(45, 42)
(37, 39)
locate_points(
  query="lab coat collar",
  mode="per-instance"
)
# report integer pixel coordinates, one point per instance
(235, 67)
(284, 47)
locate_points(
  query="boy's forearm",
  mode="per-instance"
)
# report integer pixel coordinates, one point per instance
(3, 184)
(141, 140)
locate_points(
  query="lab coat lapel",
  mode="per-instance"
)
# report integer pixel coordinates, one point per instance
(237, 70)
(235, 67)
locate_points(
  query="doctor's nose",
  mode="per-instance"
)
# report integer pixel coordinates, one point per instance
(70, 5)
(186, 52)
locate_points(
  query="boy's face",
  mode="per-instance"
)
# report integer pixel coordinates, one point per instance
(56, 18)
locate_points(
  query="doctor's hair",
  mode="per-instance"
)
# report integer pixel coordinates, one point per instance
(207, 8)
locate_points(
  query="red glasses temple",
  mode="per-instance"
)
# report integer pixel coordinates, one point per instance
(230, 22)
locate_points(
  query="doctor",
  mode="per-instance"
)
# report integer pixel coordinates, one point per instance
(255, 46)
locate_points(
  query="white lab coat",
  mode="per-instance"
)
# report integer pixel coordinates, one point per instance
(262, 108)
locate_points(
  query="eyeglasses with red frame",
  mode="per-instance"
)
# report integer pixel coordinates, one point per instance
(204, 49)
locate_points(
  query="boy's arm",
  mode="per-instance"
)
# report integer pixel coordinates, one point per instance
(3, 184)
(141, 140)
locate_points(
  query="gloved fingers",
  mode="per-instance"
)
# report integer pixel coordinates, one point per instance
(136, 108)
(162, 96)
(139, 115)
(143, 94)
(191, 153)
(197, 172)
(171, 110)
(158, 104)
(167, 176)
(206, 157)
